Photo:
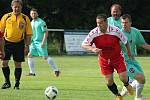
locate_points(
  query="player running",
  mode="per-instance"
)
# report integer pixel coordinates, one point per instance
(106, 39)
(133, 67)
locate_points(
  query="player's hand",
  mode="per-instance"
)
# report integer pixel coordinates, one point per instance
(41, 45)
(2, 55)
(26, 50)
(96, 50)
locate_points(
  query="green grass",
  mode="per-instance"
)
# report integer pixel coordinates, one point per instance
(80, 79)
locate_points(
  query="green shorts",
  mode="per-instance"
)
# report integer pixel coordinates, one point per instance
(36, 50)
(133, 68)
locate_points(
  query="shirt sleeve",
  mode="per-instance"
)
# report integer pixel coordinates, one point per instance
(140, 39)
(89, 38)
(43, 27)
(122, 37)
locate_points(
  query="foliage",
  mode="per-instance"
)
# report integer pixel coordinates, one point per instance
(80, 14)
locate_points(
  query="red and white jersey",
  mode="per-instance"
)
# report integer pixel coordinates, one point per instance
(108, 42)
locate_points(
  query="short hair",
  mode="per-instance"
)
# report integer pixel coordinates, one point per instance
(18, 1)
(116, 5)
(124, 16)
(34, 9)
(102, 16)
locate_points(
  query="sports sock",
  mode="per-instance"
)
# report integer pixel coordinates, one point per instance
(31, 65)
(52, 63)
(18, 72)
(6, 72)
(127, 83)
(139, 88)
(113, 89)
(133, 84)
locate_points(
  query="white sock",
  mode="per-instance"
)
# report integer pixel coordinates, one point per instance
(52, 63)
(133, 84)
(139, 88)
(31, 65)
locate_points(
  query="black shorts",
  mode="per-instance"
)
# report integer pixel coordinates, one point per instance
(14, 49)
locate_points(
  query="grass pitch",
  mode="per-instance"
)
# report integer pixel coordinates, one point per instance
(80, 79)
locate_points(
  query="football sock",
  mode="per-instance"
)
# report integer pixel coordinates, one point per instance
(18, 72)
(52, 63)
(133, 84)
(127, 83)
(6, 72)
(139, 88)
(31, 65)
(113, 89)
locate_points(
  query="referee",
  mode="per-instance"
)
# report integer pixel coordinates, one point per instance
(17, 34)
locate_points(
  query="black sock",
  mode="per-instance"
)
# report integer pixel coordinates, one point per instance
(113, 89)
(18, 72)
(127, 83)
(6, 72)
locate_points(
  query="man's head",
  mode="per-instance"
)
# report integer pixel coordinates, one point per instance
(16, 6)
(115, 11)
(126, 22)
(101, 21)
(34, 13)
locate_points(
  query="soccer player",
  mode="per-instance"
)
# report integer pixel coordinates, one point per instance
(17, 34)
(133, 67)
(115, 16)
(107, 41)
(38, 45)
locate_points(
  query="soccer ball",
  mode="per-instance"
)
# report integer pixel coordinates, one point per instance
(51, 92)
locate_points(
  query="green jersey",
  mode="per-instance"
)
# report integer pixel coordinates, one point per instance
(39, 28)
(135, 38)
(114, 22)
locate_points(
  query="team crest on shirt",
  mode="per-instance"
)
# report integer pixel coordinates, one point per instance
(131, 70)
(45, 27)
(21, 25)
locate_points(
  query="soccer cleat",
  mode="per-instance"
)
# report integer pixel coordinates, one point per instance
(130, 89)
(17, 86)
(119, 98)
(124, 91)
(31, 74)
(6, 85)
(139, 98)
(57, 73)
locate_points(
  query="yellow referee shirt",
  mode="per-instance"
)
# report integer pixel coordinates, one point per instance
(15, 27)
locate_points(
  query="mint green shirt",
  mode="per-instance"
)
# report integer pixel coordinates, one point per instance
(114, 22)
(135, 38)
(39, 28)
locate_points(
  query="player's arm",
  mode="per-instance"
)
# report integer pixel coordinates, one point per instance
(124, 39)
(128, 50)
(44, 39)
(90, 48)
(145, 46)
(2, 54)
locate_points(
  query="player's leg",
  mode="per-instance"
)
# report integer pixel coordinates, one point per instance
(32, 52)
(139, 85)
(135, 72)
(44, 53)
(17, 73)
(18, 57)
(6, 73)
(31, 65)
(107, 71)
(5, 68)
(121, 70)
